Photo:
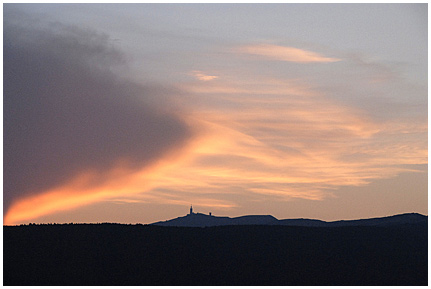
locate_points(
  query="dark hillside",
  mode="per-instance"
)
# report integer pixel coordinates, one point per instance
(113, 254)
(202, 220)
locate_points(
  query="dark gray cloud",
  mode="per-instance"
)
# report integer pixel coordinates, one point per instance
(65, 111)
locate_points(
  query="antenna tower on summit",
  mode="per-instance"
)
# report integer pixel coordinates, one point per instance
(191, 210)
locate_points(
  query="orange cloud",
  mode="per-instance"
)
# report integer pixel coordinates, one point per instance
(227, 89)
(202, 76)
(90, 187)
(291, 143)
(78, 192)
(285, 53)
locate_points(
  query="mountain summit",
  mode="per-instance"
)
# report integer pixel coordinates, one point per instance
(203, 220)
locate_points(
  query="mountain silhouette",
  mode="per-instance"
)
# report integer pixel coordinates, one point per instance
(203, 220)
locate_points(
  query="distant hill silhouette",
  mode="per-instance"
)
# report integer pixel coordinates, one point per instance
(202, 220)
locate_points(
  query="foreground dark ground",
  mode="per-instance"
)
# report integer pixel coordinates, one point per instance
(114, 254)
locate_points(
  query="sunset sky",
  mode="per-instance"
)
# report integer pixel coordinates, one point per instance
(129, 113)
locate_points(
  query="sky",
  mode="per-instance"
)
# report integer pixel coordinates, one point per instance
(130, 113)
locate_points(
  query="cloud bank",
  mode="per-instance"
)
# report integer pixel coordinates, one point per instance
(66, 114)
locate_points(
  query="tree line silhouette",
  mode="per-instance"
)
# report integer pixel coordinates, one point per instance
(118, 254)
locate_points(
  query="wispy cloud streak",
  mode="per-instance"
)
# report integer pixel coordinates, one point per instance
(202, 76)
(284, 53)
(293, 142)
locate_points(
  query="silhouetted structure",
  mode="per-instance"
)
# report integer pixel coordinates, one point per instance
(191, 210)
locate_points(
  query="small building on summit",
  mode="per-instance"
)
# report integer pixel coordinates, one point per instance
(193, 213)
